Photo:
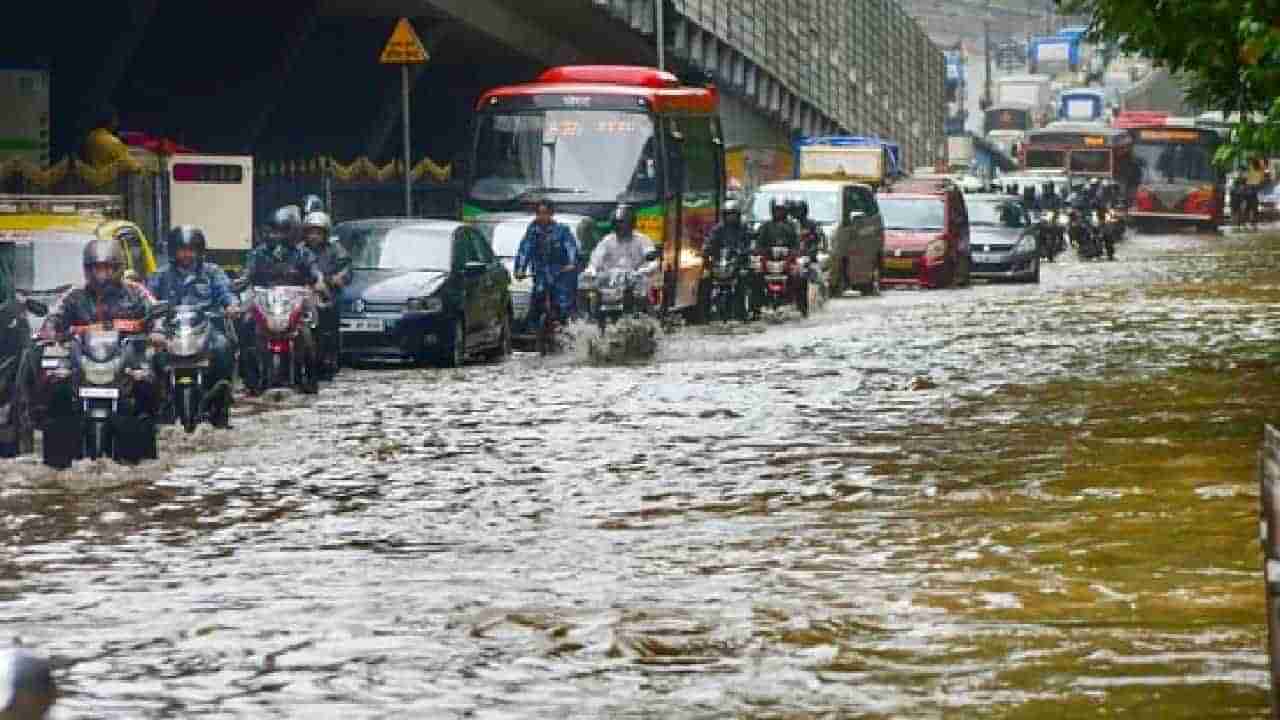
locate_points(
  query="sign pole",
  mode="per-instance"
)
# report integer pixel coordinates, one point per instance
(404, 48)
(408, 180)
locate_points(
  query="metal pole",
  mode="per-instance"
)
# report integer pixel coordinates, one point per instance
(1269, 477)
(408, 181)
(659, 7)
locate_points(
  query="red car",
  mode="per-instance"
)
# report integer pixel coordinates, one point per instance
(926, 235)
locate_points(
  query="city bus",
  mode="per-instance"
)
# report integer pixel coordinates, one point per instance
(1175, 176)
(588, 137)
(1081, 150)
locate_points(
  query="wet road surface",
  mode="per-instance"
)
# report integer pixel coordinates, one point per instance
(997, 502)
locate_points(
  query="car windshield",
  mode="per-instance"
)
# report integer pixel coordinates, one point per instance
(912, 213)
(995, 213)
(46, 260)
(571, 155)
(824, 205)
(383, 248)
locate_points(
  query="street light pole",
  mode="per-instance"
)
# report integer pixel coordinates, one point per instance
(659, 8)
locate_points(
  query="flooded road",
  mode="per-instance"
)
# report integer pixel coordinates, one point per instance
(996, 502)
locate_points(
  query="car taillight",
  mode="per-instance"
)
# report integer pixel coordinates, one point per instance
(1200, 202)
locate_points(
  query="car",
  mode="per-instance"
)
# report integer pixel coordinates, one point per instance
(505, 231)
(1002, 239)
(926, 229)
(423, 290)
(849, 217)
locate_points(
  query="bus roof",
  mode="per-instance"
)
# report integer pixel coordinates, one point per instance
(660, 90)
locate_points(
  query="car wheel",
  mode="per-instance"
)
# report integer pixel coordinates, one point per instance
(872, 288)
(455, 356)
(503, 349)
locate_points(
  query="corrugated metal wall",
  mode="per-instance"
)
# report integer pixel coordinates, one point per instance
(816, 66)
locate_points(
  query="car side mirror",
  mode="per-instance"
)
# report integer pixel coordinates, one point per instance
(475, 268)
(35, 307)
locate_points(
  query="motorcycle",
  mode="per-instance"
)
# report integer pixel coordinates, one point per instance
(16, 434)
(98, 381)
(190, 359)
(615, 295)
(1113, 228)
(284, 317)
(1051, 230)
(729, 282)
(1083, 235)
(783, 283)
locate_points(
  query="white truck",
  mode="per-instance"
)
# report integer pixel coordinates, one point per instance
(24, 123)
(1032, 90)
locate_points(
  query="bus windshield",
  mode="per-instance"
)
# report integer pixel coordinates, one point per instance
(1173, 163)
(1046, 159)
(589, 156)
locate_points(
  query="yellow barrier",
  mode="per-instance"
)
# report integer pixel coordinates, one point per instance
(45, 178)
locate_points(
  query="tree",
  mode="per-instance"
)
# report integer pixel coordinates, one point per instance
(1228, 51)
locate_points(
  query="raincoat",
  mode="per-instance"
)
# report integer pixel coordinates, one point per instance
(614, 253)
(543, 252)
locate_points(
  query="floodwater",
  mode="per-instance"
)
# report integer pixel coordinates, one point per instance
(997, 502)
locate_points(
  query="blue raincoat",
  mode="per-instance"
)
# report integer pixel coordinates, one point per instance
(544, 251)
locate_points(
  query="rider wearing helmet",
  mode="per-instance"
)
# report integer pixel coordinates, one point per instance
(190, 280)
(811, 235)
(281, 260)
(624, 248)
(550, 252)
(335, 265)
(730, 233)
(778, 231)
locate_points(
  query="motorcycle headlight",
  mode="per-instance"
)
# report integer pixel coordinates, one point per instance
(428, 305)
(187, 344)
(935, 249)
(96, 373)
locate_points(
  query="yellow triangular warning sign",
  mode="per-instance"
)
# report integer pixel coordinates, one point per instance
(404, 47)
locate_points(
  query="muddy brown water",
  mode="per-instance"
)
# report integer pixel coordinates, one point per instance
(997, 502)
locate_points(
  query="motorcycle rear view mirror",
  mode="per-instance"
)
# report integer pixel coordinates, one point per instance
(35, 307)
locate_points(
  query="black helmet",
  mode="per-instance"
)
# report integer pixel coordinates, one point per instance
(624, 214)
(101, 251)
(187, 236)
(776, 204)
(285, 224)
(732, 207)
(312, 203)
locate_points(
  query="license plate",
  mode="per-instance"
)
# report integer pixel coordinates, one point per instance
(95, 393)
(49, 363)
(365, 326)
(900, 263)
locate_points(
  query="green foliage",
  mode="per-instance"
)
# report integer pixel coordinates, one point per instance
(1229, 51)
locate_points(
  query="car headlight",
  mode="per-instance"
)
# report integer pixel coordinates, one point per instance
(935, 249)
(427, 305)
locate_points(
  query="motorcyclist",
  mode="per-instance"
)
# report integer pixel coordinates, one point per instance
(107, 299)
(550, 252)
(190, 280)
(811, 235)
(624, 248)
(777, 231)
(730, 232)
(335, 265)
(280, 260)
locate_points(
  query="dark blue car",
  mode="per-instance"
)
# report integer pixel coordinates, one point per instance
(423, 290)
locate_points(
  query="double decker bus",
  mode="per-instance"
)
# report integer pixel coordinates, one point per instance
(588, 137)
(1175, 178)
(1081, 150)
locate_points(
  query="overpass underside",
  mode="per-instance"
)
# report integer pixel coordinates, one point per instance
(297, 78)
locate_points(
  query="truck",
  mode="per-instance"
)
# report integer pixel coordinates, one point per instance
(24, 124)
(1054, 55)
(1033, 91)
(870, 160)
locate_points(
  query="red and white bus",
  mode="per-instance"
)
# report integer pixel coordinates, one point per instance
(1176, 180)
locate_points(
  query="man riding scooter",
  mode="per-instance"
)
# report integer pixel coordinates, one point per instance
(189, 280)
(335, 265)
